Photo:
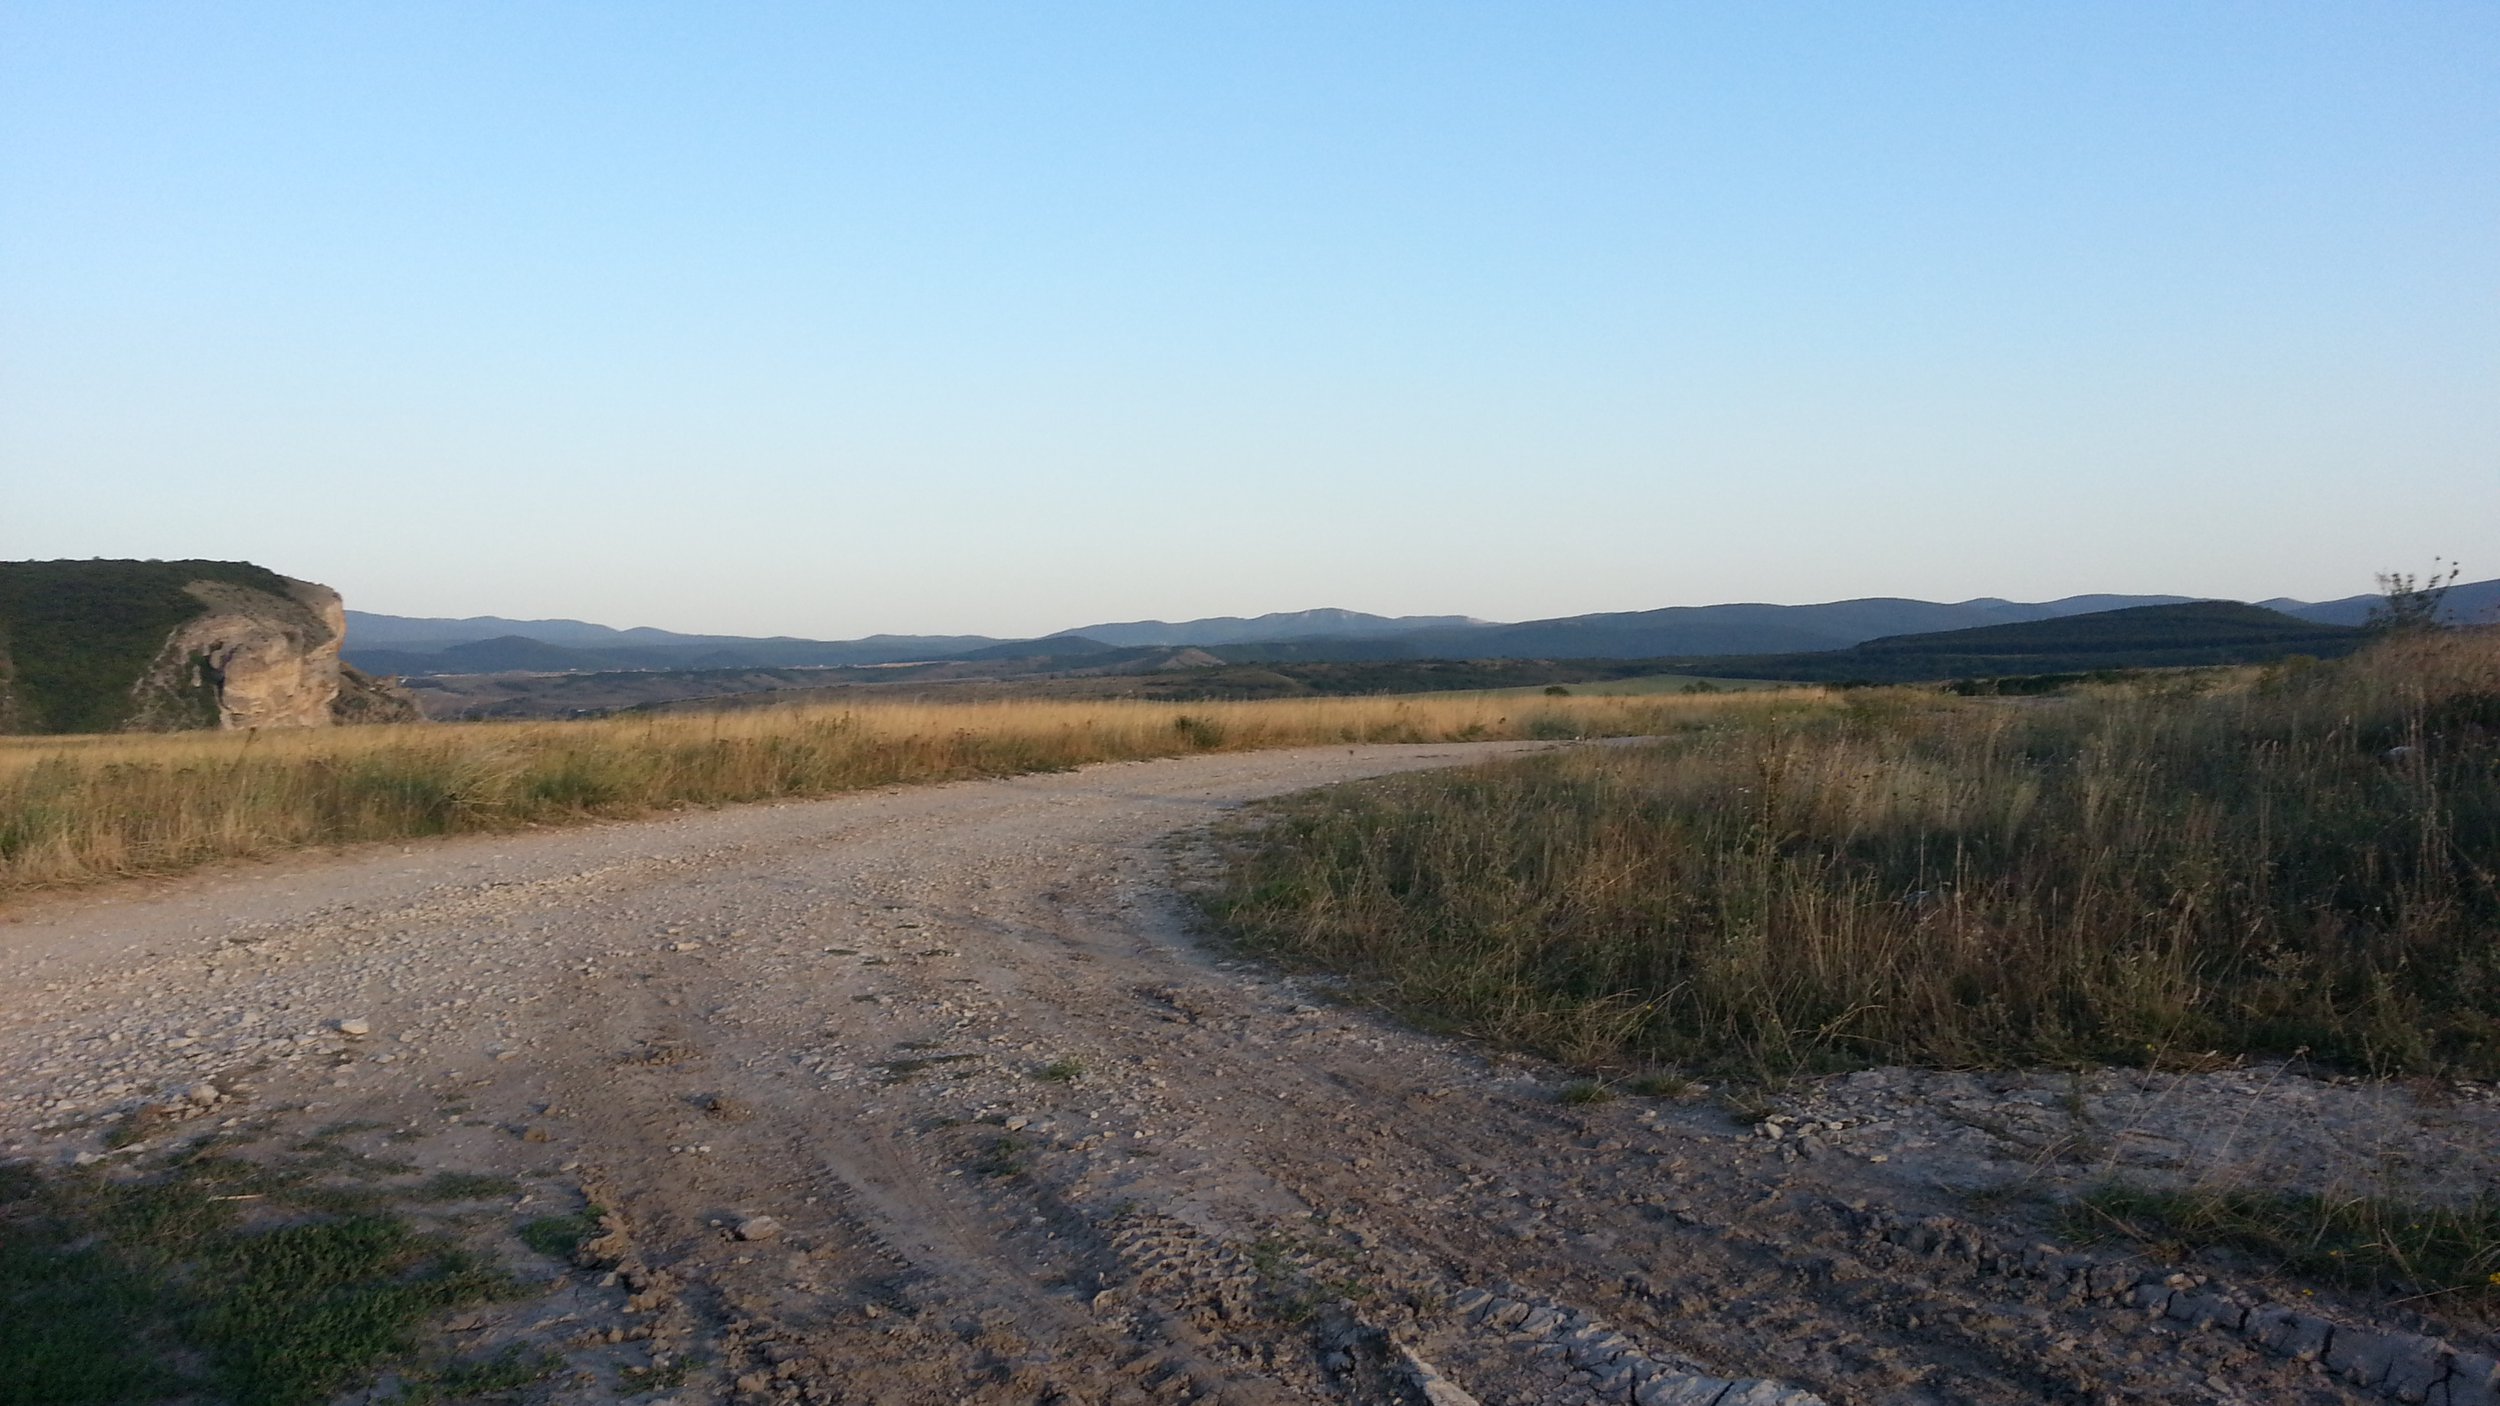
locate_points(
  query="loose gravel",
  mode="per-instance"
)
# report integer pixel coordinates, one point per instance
(933, 1095)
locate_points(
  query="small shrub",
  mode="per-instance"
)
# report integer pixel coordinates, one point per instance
(562, 1237)
(1203, 733)
(2412, 604)
(1004, 1157)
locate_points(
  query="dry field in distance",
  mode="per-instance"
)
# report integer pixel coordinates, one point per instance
(79, 809)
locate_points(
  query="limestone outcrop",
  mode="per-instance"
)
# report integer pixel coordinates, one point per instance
(149, 646)
(254, 657)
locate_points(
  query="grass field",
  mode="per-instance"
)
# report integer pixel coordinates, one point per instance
(2272, 861)
(78, 809)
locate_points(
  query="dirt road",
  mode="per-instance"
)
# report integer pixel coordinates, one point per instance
(931, 1095)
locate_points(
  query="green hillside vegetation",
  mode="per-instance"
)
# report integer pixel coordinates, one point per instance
(1642, 684)
(77, 635)
(2140, 637)
(1355, 678)
(2202, 633)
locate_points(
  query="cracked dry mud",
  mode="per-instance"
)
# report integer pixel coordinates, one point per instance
(931, 1095)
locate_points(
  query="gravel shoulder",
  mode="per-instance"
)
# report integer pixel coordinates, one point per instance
(933, 1095)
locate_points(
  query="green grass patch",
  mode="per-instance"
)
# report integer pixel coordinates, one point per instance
(1286, 678)
(2448, 1253)
(210, 1281)
(85, 1324)
(466, 1186)
(1061, 1071)
(561, 1237)
(1004, 1157)
(1299, 1276)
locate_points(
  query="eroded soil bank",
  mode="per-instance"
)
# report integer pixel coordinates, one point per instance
(931, 1095)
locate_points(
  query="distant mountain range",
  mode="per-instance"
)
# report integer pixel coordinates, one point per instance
(390, 644)
(2468, 603)
(2134, 637)
(1281, 626)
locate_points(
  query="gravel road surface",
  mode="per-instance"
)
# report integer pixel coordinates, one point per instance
(932, 1095)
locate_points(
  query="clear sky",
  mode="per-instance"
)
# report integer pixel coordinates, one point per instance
(824, 319)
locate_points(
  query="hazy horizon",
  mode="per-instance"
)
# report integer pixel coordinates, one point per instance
(974, 319)
(1261, 614)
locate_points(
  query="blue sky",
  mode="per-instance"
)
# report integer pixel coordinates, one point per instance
(824, 320)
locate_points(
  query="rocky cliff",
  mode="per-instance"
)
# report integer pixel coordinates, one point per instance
(96, 646)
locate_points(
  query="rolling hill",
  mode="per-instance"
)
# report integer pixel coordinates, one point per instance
(2138, 637)
(488, 644)
(1282, 625)
(2466, 603)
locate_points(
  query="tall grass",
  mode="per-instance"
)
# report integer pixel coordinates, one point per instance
(82, 808)
(2299, 860)
(2443, 1256)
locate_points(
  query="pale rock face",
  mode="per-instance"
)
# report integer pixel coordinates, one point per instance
(269, 661)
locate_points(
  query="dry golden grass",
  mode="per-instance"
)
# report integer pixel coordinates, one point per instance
(79, 809)
(2305, 858)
